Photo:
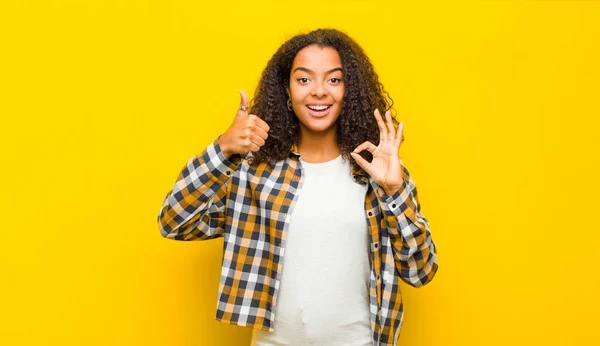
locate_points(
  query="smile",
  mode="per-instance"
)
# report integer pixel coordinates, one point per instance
(318, 111)
(318, 107)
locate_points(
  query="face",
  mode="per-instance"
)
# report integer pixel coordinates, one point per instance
(317, 88)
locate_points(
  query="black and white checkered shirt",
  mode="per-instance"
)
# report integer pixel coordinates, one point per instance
(250, 206)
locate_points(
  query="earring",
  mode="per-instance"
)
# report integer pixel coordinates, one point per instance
(289, 104)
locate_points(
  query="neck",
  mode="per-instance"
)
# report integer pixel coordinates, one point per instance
(318, 147)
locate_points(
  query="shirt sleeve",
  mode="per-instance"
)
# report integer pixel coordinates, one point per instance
(195, 208)
(414, 250)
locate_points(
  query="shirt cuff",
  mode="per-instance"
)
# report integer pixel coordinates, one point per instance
(402, 206)
(398, 202)
(232, 161)
(212, 164)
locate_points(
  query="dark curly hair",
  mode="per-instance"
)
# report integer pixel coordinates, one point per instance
(363, 94)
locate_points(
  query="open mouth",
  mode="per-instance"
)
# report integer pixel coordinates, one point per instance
(318, 107)
(318, 110)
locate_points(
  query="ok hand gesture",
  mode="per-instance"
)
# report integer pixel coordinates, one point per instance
(247, 133)
(385, 168)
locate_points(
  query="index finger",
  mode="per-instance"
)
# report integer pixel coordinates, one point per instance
(262, 124)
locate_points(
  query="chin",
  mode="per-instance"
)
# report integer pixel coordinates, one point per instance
(319, 125)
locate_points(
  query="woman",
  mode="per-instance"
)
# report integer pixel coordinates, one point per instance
(309, 176)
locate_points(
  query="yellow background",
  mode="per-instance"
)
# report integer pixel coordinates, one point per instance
(102, 103)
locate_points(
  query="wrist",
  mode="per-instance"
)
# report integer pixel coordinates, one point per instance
(224, 147)
(389, 192)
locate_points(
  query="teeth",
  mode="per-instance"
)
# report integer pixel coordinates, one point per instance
(318, 108)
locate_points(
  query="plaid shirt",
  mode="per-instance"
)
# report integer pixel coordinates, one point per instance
(251, 206)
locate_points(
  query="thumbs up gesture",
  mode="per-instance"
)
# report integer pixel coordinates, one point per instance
(247, 133)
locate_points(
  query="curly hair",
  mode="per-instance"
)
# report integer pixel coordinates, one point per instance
(363, 94)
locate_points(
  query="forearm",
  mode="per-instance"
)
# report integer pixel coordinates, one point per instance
(194, 192)
(414, 249)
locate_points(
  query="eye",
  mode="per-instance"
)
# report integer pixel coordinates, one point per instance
(302, 80)
(336, 80)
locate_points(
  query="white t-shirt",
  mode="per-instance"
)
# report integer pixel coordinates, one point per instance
(323, 298)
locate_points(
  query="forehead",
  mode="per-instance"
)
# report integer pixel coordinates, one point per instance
(317, 58)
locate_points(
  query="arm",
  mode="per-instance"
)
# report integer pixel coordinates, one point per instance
(415, 254)
(414, 249)
(195, 208)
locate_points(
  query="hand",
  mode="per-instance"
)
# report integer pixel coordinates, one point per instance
(247, 133)
(385, 168)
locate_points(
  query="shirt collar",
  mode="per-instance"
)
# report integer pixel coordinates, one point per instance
(358, 173)
(294, 150)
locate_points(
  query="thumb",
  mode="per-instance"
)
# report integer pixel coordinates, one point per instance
(244, 100)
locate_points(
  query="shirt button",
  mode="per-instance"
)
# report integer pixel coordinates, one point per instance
(228, 172)
(370, 213)
(394, 205)
(376, 245)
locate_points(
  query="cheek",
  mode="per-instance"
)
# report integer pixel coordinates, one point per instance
(339, 94)
(297, 94)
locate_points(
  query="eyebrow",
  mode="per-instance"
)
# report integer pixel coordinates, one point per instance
(312, 72)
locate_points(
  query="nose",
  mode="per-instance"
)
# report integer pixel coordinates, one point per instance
(319, 90)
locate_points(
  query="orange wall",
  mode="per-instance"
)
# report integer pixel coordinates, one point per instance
(103, 102)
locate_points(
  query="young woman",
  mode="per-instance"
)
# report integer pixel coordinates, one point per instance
(319, 215)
